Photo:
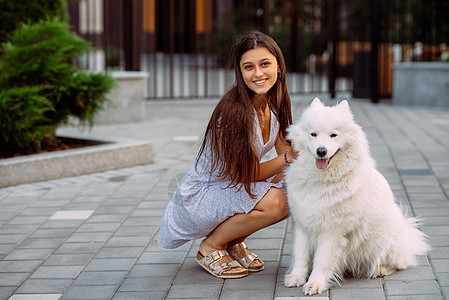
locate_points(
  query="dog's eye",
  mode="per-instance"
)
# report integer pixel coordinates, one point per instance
(313, 134)
(334, 135)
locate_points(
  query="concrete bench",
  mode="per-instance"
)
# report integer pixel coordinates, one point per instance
(421, 83)
(127, 99)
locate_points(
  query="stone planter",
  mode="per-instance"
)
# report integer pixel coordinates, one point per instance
(127, 99)
(110, 155)
(421, 83)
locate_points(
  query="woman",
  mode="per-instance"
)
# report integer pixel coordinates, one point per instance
(228, 193)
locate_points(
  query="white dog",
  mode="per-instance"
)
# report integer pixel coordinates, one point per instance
(344, 215)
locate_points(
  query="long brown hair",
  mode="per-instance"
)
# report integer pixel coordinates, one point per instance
(231, 127)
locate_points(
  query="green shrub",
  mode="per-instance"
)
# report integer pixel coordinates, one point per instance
(23, 119)
(38, 58)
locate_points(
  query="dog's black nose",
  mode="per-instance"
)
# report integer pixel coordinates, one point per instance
(321, 151)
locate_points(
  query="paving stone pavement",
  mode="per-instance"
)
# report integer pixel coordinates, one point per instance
(95, 236)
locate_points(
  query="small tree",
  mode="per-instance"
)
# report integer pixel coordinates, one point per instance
(40, 88)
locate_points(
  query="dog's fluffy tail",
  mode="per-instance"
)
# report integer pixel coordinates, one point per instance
(414, 243)
(418, 240)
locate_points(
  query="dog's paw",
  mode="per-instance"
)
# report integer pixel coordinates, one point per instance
(384, 271)
(292, 280)
(312, 288)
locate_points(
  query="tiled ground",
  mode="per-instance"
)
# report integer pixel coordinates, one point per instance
(94, 236)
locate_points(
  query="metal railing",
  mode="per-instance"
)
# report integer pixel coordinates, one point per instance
(185, 44)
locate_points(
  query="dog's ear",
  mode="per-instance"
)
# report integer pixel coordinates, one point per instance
(344, 103)
(316, 102)
(344, 106)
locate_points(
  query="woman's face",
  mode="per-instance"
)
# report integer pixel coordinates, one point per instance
(259, 69)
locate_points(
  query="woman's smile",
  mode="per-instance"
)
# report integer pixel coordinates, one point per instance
(260, 82)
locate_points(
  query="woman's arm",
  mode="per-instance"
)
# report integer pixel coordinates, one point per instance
(276, 165)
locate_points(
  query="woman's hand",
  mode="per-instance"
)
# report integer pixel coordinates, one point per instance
(291, 155)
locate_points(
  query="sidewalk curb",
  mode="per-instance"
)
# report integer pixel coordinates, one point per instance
(74, 162)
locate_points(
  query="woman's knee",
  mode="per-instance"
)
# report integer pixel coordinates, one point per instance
(282, 209)
(275, 205)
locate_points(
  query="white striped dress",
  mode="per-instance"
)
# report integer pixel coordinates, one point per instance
(202, 202)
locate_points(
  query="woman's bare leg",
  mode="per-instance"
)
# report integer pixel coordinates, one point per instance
(271, 209)
(276, 179)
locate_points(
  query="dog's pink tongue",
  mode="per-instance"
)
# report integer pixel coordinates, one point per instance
(322, 163)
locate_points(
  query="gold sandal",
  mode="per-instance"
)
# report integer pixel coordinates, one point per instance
(226, 270)
(250, 261)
